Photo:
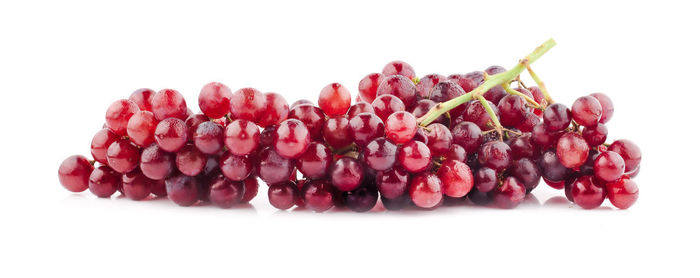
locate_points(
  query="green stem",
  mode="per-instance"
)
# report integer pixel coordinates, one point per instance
(540, 84)
(415, 80)
(494, 118)
(492, 81)
(526, 97)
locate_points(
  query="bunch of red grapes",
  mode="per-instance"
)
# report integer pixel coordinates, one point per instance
(353, 155)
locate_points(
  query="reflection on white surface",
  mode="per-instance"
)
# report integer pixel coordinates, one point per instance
(259, 205)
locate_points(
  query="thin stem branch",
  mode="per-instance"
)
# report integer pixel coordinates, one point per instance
(492, 81)
(520, 82)
(540, 84)
(526, 97)
(494, 118)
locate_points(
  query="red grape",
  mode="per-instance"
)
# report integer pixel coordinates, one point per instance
(225, 193)
(538, 96)
(276, 110)
(426, 190)
(586, 111)
(300, 102)
(182, 190)
(192, 122)
(337, 133)
(366, 127)
(588, 168)
(334, 99)
(242, 137)
(169, 103)
(623, 192)
(426, 84)
(495, 154)
(529, 94)
(346, 174)
(527, 172)
(248, 104)
(291, 138)
(392, 183)
(215, 100)
(557, 117)
(267, 136)
(283, 195)
(141, 128)
(552, 169)
(586, 193)
(529, 122)
(272, 167)
(522, 147)
(361, 199)
(512, 110)
(158, 188)
(447, 90)
(360, 107)
(543, 138)
(386, 105)
(399, 68)
(456, 178)
(156, 163)
(420, 136)
(510, 194)
(423, 106)
(476, 113)
(235, 167)
(142, 97)
(400, 127)
(368, 86)
(314, 163)
(476, 76)
(380, 154)
(485, 179)
(311, 116)
(572, 150)
(137, 186)
(208, 137)
(190, 161)
(467, 135)
(595, 135)
(318, 195)
(629, 151)
(467, 83)
(251, 189)
(74, 173)
(118, 115)
(123, 156)
(495, 94)
(414, 156)
(495, 69)
(104, 181)
(399, 86)
(100, 142)
(456, 152)
(171, 134)
(606, 105)
(609, 166)
(439, 138)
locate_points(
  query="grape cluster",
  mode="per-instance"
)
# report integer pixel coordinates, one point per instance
(492, 151)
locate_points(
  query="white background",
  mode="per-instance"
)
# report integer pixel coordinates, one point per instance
(63, 62)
